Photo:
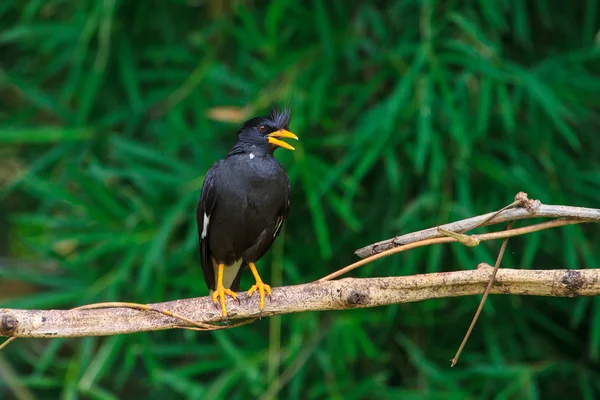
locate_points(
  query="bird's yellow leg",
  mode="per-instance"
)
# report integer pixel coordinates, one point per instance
(220, 292)
(260, 286)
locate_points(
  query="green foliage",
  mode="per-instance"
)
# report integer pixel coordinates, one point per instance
(410, 114)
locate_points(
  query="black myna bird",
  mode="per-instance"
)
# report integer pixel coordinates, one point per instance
(245, 200)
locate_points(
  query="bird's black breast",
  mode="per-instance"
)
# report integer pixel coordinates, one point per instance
(251, 192)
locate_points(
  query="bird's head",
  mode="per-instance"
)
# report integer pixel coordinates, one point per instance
(262, 135)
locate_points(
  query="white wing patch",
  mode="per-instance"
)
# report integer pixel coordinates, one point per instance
(205, 226)
(251, 156)
(278, 225)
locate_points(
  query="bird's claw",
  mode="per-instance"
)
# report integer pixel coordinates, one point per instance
(262, 288)
(218, 297)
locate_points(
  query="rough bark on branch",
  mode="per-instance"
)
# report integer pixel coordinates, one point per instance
(330, 295)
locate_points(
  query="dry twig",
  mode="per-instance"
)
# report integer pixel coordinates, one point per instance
(576, 214)
(485, 295)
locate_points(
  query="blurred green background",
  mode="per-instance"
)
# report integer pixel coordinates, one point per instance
(410, 114)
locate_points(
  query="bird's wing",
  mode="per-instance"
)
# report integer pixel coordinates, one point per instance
(282, 216)
(266, 239)
(206, 206)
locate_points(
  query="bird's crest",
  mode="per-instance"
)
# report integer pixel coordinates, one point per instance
(280, 116)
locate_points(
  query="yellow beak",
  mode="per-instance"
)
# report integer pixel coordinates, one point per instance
(282, 133)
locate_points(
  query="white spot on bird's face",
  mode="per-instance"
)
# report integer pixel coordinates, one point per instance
(251, 156)
(205, 226)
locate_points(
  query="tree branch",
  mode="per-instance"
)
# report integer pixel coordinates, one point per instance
(342, 294)
(118, 318)
(538, 211)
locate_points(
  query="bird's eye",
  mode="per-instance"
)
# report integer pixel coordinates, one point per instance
(262, 128)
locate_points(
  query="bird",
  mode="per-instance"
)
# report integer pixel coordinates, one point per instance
(244, 201)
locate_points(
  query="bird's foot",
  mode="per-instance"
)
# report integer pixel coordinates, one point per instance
(218, 296)
(262, 288)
